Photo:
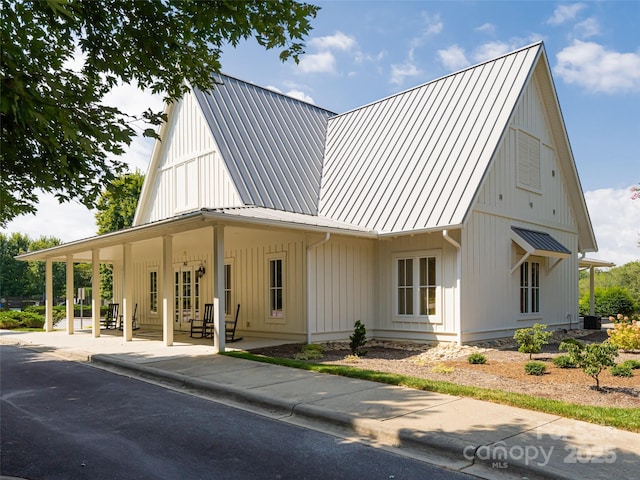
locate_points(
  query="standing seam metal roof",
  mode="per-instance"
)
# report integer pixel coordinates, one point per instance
(271, 144)
(416, 160)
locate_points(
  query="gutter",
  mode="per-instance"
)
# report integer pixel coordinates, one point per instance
(312, 246)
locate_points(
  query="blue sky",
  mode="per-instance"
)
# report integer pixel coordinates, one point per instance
(361, 51)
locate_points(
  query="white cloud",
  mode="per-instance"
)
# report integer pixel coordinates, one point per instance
(66, 221)
(400, 72)
(597, 69)
(616, 224)
(433, 24)
(491, 50)
(323, 62)
(564, 13)
(588, 28)
(486, 28)
(300, 96)
(338, 41)
(453, 58)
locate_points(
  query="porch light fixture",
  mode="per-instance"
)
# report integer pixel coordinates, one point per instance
(200, 272)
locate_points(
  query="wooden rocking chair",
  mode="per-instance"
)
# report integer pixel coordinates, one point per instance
(201, 325)
(230, 328)
(134, 319)
(110, 320)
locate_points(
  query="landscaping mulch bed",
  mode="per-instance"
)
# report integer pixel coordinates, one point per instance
(504, 369)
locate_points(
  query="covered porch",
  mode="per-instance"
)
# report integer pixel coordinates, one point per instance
(165, 273)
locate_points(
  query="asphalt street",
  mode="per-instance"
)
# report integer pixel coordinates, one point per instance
(65, 420)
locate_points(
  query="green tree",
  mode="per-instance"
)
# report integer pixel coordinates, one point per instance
(57, 135)
(593, 358)
(117, 203)
(37, 270)
(13, 274)
(531, 340)
(626, 276)
(27, 279)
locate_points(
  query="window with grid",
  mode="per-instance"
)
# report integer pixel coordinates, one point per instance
(276, 288)
(530, 287)
(153, 291)
(227, 289)
(417, 279)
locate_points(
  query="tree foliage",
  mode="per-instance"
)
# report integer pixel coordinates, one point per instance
(626, 276)
(117, 203)
(27, 279)
(532, 339)
(57, 135)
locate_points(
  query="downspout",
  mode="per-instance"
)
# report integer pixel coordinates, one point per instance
(310, 247)
(456, 314)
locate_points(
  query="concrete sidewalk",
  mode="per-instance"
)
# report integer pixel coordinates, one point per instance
(463, 434)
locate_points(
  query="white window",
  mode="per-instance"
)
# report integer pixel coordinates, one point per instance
(528, 169)
(227, 289)
(418, 286)
(530, 288)
(276, 270)
(153, 291)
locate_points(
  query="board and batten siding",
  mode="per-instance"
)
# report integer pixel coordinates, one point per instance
(390, 325)
(341, 287)
(490, 297)
(189, 173)
(249, 252)
(490, 292)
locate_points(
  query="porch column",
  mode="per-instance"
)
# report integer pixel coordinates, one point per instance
(218, 289)
(69, 295)
(127, 293)
(168, 300)
(95, 293)
(592, 279)
(48, 293)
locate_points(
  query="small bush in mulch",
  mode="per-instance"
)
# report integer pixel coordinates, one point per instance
(565, 361)
(311, 351)
(621, 370)
(477, 359)
(535, 368)
(632, 364)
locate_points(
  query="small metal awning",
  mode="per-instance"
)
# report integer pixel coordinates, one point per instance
(538, 243)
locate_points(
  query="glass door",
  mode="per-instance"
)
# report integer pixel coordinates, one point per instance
(187, 297)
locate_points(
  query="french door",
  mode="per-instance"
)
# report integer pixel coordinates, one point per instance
(187, 297)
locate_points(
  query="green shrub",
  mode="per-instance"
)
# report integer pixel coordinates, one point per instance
(535, 368)
(621, 370)
(564, 361)
(477, 358)
(358, 339)
(10, 319)
(573, 341)
(531, 340)
(608, 301)
(59, 312)
(311, 351)
(593, 358)
(632, 364)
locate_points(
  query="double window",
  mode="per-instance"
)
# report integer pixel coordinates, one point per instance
(417, 285)
(529, 288)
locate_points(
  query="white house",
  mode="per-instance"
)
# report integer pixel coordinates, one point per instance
(452, 211)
